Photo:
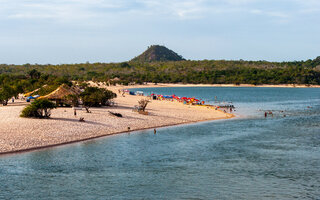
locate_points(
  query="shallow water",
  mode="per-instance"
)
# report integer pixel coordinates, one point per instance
(245, 158)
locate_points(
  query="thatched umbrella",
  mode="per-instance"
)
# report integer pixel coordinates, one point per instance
(60, 93)
(31, 93)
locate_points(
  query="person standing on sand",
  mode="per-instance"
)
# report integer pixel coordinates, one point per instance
(74, 111)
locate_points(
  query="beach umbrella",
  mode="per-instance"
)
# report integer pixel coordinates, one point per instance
(30, 97)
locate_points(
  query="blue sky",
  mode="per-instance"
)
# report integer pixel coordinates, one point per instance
(75, 31)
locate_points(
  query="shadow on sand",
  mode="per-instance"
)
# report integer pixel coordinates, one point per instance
(77, 120)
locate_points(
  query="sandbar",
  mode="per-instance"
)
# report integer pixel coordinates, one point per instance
(23, 134)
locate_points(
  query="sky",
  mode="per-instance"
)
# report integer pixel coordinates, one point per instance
(78, 31)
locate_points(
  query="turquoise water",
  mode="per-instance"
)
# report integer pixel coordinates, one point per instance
(245, 158)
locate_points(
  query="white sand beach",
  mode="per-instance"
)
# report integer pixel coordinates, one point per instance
(146, 85)
(21, 134)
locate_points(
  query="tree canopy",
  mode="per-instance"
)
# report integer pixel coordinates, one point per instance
(6, 92)
(95, 97)
(185, 71)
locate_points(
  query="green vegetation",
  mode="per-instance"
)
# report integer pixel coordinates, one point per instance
(159, 64)
(6, 92)
(11, 84)
(39, 109)
(72, 99)
(151, 66)
(207, 72)
(96, 97)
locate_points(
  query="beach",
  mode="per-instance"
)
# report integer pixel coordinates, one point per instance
(22, 134)
(204, 160)
(146, 85)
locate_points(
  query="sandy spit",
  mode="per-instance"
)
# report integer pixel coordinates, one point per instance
(22, 134)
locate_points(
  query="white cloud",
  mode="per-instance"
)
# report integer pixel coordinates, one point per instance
(64, 11)
(86, 9)
(308, 6)
(183, 9)
(308, 3)
(270, 13)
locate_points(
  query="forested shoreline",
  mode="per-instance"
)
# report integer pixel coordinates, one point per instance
(204, 72)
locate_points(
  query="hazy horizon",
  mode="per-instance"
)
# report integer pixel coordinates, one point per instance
(79, 31)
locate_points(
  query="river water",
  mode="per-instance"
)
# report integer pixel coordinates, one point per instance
(249, 157)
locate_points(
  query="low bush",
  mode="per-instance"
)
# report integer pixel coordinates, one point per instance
(39, 109)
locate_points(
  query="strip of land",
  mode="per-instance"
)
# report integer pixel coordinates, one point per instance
(218, 85)
(22, 134)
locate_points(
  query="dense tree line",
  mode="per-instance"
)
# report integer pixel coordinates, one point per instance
(27, 77)
(12, 84)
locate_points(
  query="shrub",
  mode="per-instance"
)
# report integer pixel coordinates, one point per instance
(95, 97)
(29, 111)
(143, 104)
(6, 92)
(39, 108)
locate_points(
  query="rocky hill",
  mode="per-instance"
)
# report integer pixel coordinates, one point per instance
(158, 53)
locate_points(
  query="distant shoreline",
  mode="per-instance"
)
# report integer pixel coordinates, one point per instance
(150, 85)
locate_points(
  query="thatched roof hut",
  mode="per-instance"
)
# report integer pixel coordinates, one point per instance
(60, 93)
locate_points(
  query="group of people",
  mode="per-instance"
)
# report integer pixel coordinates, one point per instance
(270, 113)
